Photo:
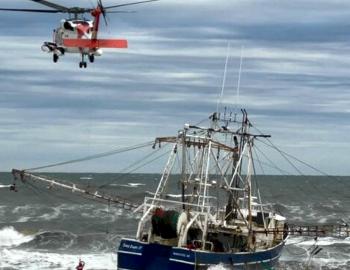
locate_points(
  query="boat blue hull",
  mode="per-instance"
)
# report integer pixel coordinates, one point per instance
(137, 255)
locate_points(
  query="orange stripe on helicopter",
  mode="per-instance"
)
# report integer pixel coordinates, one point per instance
(96, 43)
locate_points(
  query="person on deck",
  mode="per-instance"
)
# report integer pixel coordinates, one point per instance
(80, 265)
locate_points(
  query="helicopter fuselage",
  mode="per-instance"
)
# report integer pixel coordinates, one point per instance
(71, 29)
(80, 36)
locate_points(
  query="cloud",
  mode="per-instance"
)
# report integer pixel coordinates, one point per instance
(294, 81)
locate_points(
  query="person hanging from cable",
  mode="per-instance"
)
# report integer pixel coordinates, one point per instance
(80, 265)
(13, 187)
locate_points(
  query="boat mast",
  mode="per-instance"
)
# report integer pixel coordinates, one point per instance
(183, 166)
(231, 207)
(249, 191)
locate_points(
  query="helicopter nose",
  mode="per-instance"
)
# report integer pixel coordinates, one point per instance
(82, 29)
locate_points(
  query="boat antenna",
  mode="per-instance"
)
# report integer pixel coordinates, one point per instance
(238, 82)
(224, 78)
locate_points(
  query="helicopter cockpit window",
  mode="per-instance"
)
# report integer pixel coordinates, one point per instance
(68, 26)
(81, 22)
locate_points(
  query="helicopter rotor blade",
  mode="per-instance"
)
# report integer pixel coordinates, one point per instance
(99, 3)
(129, 4)
(75, 10)
(120, 11)
(63, 9)
(31, 10)
(51, 5)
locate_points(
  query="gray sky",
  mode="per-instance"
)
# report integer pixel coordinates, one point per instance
(295, 80)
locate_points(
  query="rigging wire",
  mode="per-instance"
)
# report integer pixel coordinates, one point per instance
(152, 160)
(96, 156)
(201, 121)
(129, 169)
(36, 189)
(262, 170)
(271, 145)
(273, 165)
(142, 159)
(286, 155)
(316, 187)
(259, 161)
(125, 171)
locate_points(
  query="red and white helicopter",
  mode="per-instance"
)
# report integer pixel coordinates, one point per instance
(77, 34)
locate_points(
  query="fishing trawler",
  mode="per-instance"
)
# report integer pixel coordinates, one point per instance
(219, 217)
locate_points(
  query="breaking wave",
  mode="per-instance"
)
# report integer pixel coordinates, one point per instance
(218, 267)
(29, 260)
(9, 237)
(322, 241)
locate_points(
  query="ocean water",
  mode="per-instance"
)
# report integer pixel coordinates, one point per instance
(41, 228)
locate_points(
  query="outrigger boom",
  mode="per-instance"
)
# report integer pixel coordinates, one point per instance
(26, 176)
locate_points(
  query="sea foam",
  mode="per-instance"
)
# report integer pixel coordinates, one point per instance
(25, 260)
(9, 237)
(218, 267)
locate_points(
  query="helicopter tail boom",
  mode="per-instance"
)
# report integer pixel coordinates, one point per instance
(96, 43)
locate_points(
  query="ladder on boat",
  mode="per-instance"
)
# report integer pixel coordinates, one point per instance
(327, 230)
(166, 173)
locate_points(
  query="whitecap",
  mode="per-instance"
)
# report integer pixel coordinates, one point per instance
(136, 184)
(86, 178)
(117, 185)
(29, 260)
(322, 241)
(18, 209)
(50, 216)
(218, 267)
(9, 237)
(129, 185)
(323, 220)
(23, 219)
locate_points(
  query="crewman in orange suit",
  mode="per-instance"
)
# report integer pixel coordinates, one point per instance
(80, 265)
